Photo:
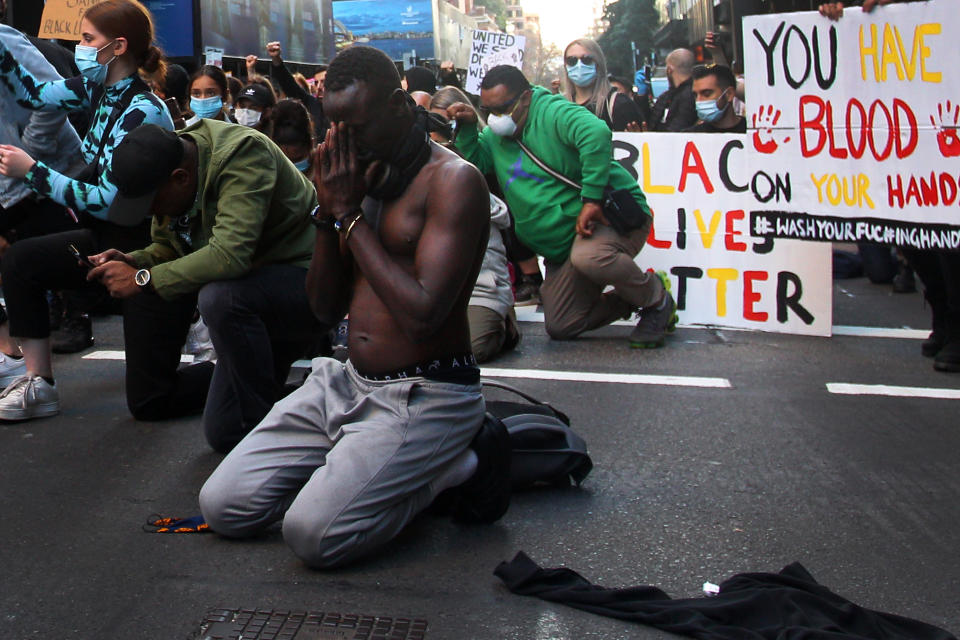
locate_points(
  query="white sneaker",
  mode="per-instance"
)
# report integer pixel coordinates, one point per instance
(29, 397)
(11, 369)
(199, 344)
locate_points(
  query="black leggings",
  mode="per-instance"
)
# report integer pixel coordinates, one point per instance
(33, 266)
(30, 218)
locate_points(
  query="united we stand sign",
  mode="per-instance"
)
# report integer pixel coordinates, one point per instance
(854, 124)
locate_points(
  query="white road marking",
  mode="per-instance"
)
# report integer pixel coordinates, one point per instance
(530, 314)
(845, 388)
(880, 332)
(532, 374)
(119, 355)
(622, 378)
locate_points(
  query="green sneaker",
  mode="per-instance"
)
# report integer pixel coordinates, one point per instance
(656, 322)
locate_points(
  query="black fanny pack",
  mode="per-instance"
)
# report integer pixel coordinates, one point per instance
(620, 208)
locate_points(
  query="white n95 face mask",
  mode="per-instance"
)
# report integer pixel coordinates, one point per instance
(502, 125)
(246, 117)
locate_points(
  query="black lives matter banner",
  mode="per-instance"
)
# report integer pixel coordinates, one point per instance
(854, 125)
(700, 187)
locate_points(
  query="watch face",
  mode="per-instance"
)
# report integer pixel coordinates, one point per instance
(142, 277)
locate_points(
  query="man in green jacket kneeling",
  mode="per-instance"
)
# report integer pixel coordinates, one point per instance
(582, 252)
(231, 235)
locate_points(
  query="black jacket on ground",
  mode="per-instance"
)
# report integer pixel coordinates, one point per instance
(789, 605)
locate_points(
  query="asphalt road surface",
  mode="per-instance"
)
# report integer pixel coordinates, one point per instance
(690, 484)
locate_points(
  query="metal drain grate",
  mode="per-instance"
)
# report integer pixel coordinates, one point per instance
(269, 624)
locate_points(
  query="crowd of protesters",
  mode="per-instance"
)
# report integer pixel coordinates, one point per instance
(263, 213)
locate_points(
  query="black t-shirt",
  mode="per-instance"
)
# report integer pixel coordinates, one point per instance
(625, 111)
(675, 109)
(706, 127)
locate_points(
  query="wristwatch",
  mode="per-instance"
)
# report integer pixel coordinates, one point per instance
(346, 222)
(320, 221)
(142, 278)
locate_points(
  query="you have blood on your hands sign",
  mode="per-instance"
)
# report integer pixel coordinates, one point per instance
(853, 136)
(859, 117)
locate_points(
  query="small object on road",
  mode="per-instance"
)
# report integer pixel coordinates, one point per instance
(157, 523)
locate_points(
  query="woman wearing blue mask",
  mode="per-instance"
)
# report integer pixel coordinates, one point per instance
(208, 95)
(585, 82)
(115, 45)
(293, 133)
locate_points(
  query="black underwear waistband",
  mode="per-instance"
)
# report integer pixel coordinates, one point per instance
(458, 369)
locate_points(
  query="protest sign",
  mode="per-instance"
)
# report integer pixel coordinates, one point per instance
(61, 18)
(855, 124)
(213, 56)
(699, 188)
(490, 49)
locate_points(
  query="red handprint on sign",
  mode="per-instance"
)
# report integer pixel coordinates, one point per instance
(763, 122)
(947, 136)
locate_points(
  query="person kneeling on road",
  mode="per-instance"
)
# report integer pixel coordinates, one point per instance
(231, 233)
(347, 460)
(567, 226)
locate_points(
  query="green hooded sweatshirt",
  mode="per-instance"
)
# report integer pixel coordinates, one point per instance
(252, 209)
(570, 140)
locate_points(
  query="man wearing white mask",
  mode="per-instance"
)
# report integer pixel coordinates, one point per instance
(714, 87)
(254, 107)
(554, 162)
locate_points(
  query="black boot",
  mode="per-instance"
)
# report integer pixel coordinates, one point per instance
(948, 357)
(938, 337)
(75, 334)
(904, 282)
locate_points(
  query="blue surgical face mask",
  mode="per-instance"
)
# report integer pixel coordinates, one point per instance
(582, 75)
(90, 68)
(659, 86)
(710, 111)
(206, 107)
(302, 165)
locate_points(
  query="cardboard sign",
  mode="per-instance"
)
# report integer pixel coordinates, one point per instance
(722, 275)
(213, 56)
(490, 49)
(61, 18)
(855, 124)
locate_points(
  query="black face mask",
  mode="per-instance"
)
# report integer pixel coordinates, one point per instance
(396, 174)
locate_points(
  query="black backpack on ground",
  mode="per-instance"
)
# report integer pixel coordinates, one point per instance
(546, 451)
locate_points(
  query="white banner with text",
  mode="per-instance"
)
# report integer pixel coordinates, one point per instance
(700, 188)
(855, 125)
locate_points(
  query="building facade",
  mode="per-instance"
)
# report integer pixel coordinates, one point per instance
(686, 23)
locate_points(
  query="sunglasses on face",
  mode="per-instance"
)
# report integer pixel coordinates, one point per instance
(501, 109)
(572, 60)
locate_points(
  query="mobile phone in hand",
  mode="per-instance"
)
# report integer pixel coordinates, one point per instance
(82, 259)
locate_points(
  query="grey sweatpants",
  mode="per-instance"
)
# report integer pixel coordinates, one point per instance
(346, 462)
